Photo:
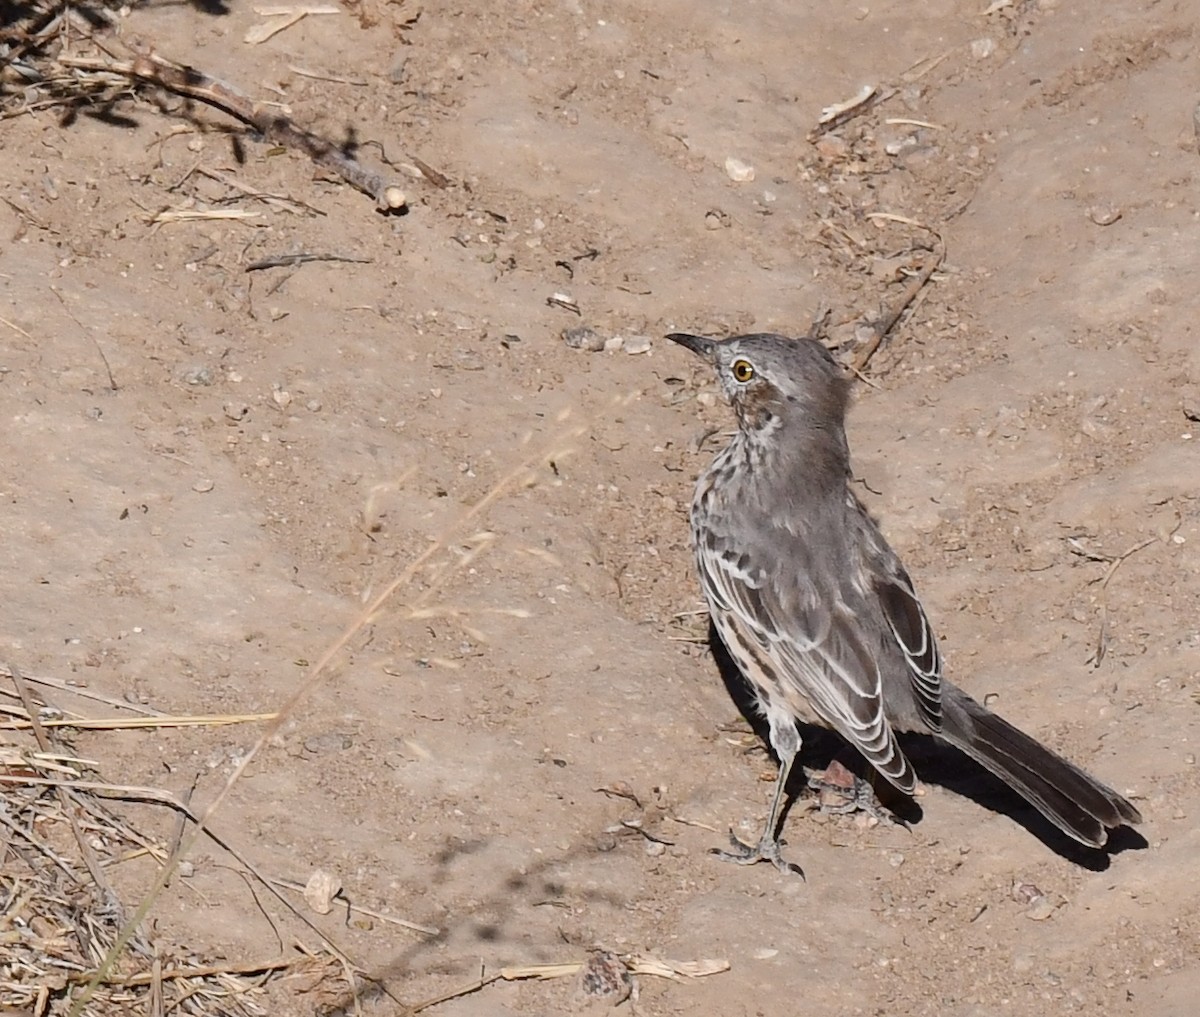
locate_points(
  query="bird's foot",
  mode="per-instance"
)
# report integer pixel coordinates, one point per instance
(768, 849)
(841, 793)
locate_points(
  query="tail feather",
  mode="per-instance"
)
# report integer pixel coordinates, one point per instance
(1077, 803)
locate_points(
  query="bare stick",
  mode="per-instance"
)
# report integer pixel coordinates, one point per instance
(292, 260)
(885, 324)
(1101, 651)
(833, 117)
(184, 80)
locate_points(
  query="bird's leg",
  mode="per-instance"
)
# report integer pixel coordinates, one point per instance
(785, 740)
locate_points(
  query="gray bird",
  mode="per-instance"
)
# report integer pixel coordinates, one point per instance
(816, 609)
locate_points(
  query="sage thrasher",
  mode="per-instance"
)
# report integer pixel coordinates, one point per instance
(816, 609)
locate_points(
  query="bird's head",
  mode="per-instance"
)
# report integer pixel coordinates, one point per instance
(773, 381)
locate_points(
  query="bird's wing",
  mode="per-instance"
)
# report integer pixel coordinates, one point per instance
(811, 648)
(906, 618)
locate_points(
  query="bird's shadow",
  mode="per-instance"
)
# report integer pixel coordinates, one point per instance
(936, 762)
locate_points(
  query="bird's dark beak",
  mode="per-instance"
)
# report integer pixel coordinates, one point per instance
(702, 347)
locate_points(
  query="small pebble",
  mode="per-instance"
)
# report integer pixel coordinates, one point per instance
(614, 344)
(1040, 909)
(638, 344)
(203, 486)
(1104, 215)
(605, 976)
(186, 869)
(716, 219)
(1025, 893)
(738, 171)
(983, 48)
(320, 891)
(196, 376)
(583, 338)
(832, 147)
(331, 741)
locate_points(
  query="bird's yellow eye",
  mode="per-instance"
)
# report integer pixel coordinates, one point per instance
(743, 370)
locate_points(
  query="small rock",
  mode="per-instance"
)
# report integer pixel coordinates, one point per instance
(738, 171)
(320, 891)
(331, 741)
(583, 338)
(983, 48)
(605, 976)
(1189, 398)
(197, 375)
(1025, 893)
(716, 219)
(1040, 909)
(236, 411)
(1104, 215)
(638, 344)
(830, 146)
(313, 406)
(397, 71)
(617, 342)
(654, 849)
(203, 486)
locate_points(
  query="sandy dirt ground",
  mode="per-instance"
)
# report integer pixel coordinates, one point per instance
(206, 472)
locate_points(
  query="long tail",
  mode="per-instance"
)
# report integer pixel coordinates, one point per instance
(1073, 800)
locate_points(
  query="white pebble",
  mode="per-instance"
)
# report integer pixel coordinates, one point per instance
(983, 48)
(738, 171)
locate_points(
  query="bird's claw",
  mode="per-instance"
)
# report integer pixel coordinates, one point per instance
(768, 849)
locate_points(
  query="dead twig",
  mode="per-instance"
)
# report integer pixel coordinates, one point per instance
(272, 124)
(291, 260)
(833, 117)
(887, 322)
(275, 200)
(1114, 563)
